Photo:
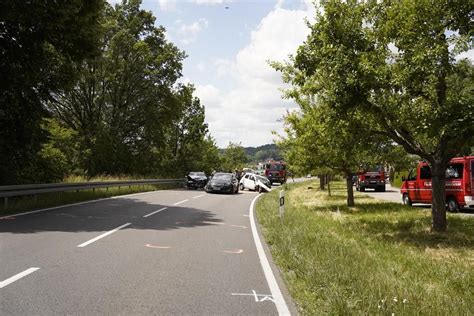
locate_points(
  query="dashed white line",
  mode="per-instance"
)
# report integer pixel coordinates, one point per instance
(198, 196)
(267, 270)
(103, 235)
(17, 277)
(153, 213)
(181, 202)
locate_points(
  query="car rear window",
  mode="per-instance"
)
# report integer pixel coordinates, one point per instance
(455, 171)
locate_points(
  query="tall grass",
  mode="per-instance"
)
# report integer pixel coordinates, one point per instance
(376, 258)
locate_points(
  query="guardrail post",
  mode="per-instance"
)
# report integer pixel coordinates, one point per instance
(5, 203)
(35, 198)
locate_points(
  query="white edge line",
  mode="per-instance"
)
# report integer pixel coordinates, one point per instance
(180, 202)
(198, 196)
(267, 270)
(153, 213)
(79, 203)
(102, 236)
(17, 277)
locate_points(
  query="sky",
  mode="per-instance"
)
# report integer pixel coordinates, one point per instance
(228, 51)
(229, 44)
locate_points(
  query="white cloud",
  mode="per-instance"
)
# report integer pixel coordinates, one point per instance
(210, 2)
(167, 5)
(252, 109)
(188, 33)
(467, 54)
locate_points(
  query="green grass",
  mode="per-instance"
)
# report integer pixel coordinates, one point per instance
(27, 203)
(377, 258)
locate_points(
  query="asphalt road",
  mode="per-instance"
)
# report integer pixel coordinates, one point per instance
(392, 194)
(174, 252)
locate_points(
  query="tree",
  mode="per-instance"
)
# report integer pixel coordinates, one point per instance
(125, 106)
(319, 139)
(234, 157)
(39, 42)
(392, 61)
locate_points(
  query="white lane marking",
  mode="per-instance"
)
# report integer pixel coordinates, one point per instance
(181, 202)
(267, 270)
(103, 235)
(81, 203)
(153, 213)
(17, 277)
(237, 251)
(157, 247)
(213, 223)
(198, 196)
(239, 226)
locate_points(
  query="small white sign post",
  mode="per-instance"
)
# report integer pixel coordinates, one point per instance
(282, 203)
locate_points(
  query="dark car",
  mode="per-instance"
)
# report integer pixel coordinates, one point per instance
(223, 182)
(196, 180)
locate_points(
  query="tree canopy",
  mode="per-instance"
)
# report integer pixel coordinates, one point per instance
(394, 64)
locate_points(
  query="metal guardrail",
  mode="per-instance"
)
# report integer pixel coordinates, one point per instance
(34, 189)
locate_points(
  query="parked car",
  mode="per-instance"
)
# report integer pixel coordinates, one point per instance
(254, 182)
(223, 182)
(196, 180)
(459, 188)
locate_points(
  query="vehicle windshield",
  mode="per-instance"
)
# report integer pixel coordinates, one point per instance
(375, 169)
(263, 179)
(197, 174)
(222, 176)
(276, 167)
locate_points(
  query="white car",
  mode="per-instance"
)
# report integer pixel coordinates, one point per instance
(253, 182)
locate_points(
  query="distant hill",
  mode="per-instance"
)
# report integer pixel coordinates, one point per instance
(263, 152)
(260, 153)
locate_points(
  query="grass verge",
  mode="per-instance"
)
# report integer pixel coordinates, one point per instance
(28, 203)
(375, 258)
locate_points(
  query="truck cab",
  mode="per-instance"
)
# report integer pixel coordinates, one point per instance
(275, 171)
(416, 188)
(371, 178)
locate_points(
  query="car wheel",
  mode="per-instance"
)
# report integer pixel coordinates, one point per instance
(453, 205)
(260, 189)
(406, 200)
(242, 187)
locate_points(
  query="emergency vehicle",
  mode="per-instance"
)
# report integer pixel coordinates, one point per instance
(275, 171)
(459, 184)
(373, 178)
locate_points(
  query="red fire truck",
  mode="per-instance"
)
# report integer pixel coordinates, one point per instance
(371, 178)
(275, 171)
(459, 184)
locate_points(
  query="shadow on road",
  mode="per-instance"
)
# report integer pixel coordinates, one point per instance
(108, 214)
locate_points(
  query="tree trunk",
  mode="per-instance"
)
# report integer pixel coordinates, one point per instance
(321, 181)
(350, 191)
(438, 199)
(329, 185)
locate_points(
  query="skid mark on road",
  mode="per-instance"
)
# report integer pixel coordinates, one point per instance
(258, 297)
